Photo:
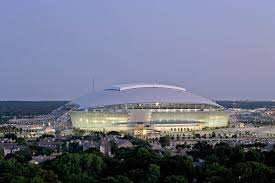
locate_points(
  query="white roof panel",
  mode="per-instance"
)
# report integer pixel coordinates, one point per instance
(140, 93)
(143, 85)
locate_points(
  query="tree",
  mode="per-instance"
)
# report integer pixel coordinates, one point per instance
(48, 176)
(140, 142)
(176, 165)
(38, 150)
(254, 155)
(115, 133)
(164, 141)
(216, 173)
(10, 136)
(175, 179)
(78, 132)
(23, 156)
(123, 179)
(201, 150)
(79, 178)
(73, 163)
(20, 179)
(213, 135)
(197, 135)
(253, 172)
(117, 179)
(21, 141)
(137, 175)
(46, 136)
(37, 179)
(154, 173)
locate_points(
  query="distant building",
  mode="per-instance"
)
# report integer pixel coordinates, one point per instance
(49, 130)
(105, 147)
(37, 120)
(50, 142)
(89, 144)
(10, 148)
(121, 143)
(40, 159)
(65, 133)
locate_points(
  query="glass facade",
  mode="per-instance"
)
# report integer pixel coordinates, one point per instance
(157, 106)
(163, 117)
(97, 120)
(205, 118)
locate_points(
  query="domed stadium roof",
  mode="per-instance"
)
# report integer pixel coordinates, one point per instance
(139, 94)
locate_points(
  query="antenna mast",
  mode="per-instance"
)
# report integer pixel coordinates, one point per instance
(93, 84)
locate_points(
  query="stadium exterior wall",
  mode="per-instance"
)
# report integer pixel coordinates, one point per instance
(169, 110)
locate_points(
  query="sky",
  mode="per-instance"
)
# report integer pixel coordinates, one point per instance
(220, 49)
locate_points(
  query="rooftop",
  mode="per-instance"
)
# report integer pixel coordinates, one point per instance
(143, 85)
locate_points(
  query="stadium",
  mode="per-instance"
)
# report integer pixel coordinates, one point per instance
(146, 109)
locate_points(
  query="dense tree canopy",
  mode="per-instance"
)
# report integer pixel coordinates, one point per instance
(22, 108)
(141, 164)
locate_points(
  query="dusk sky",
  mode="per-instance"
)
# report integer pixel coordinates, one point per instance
(50, 50)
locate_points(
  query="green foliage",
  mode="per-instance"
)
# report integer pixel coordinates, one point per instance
(140, 142)
(216, 173)
(246, 104)
(164, 141)
(3, 120)
(28, 108)
(38, 150)
(141, 164)
(176, 165)
(202, 150)
(46, 136)
(253, 172)
(175, 179)
(37, 180)
(256, 144)
(10, 136)
(10, 129)
(21, 141)
(154, 173)
(117, 179)
(78, 132)
(23, 156)
(254, 155)
(79, 178)
(115, 133)
(75, 163)
(182, 146)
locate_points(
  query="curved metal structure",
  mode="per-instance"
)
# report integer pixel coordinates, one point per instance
(140, 94)
(143, 85)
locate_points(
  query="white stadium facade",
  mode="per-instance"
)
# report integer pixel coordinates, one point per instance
(147, 109)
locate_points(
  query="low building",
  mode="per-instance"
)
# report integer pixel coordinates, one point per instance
(37, 120)
(10, 148)
(105, 147)
(51, 143)
(40, 159)
(121, 143)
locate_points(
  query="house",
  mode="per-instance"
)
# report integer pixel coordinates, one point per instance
(50, 142)
(105, 146)
(124, 143)
(40, 159)
(11, 149)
